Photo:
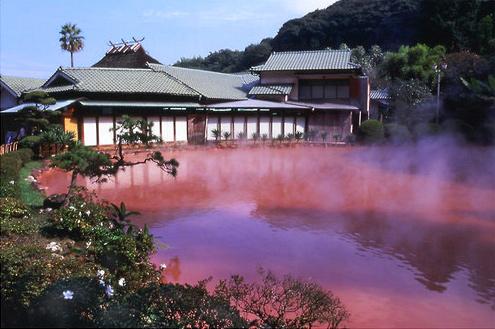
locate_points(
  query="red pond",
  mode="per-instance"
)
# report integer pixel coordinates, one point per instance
(405, 236)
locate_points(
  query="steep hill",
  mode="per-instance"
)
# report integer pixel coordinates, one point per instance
(388, 23)
(456, 24)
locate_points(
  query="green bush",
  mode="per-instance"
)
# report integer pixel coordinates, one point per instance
(54, 308)
(8, 187)
(28, 269)
(397, 134)
(79, 220)
(25, 155)
(371, 132)
(425, 129)
(12, 207)
(30, 142)
(11, 163)
(171, 306)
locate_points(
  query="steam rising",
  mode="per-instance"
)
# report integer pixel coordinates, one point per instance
(411, 228)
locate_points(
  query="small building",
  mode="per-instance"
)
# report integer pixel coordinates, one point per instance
(379, 103)
(11, 89)
(318, 93)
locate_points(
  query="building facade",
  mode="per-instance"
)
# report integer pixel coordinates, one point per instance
(318, 93)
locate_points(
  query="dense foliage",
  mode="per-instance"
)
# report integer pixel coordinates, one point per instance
(457, 25)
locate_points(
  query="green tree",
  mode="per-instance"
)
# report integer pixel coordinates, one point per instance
(413, 63)
(71, 40)
(369, 61)
(407, 98)
(84, 161)
(36, 116)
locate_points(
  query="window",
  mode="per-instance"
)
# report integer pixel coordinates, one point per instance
(305, 92)
(343, 90)
(323, 89)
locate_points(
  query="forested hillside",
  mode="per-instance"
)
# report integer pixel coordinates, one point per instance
(457, 25)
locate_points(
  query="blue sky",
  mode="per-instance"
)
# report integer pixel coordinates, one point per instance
(173, 28)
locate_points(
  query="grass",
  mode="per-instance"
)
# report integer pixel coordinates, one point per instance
(29, 195)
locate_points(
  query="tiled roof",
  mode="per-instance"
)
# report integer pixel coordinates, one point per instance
(280, 89)
(118, 80)
(310, 60)
(379, 94)
(212, 85)
(18, 84)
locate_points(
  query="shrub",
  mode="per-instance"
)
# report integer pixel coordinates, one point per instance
(11, 207)
(8, 187)
(14, 218)
(30, 142)
(397, 134)
(425, 129)
(68, 303)
(172, 306)
(283, 303)
(79, 220)
(25, 155)
(10, 164)
(371, 132)
(28, 268)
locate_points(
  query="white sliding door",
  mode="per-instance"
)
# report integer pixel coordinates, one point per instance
(252, 126)
(89, 131)
(300, 124)
(212, 125)
(225, 124)
(276, 126)
(181, 129)
(168, 129)
(155, 129)
(288, 125)
(238, 126)
(105, 132)
(265, 126)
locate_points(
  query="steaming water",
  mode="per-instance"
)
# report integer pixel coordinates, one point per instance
(405, 236)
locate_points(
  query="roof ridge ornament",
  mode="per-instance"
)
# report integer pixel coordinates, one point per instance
(124, 46)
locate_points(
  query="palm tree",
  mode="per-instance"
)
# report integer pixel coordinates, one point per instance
(71, 40)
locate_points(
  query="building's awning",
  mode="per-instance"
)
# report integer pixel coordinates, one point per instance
(271, 89)
(379, 94)
(326, 106)
(57, 106)
(164, 105)
(256, 104)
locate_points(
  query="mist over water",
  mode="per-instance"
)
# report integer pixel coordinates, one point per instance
(404, 235)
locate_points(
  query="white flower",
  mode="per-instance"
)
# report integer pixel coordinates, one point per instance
(72, 208)
(121, 282)
(109, 291)
(80, 214)
(68, 294)
(88, 212)
(54, 246)
(102, 283)
(88, 244)
(100, 274)
(163, 266)
(48, 209)
(12, 182)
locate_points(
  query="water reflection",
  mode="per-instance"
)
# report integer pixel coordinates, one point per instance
(395, 224)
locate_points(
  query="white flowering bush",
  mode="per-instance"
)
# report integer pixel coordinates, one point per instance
(79, 219)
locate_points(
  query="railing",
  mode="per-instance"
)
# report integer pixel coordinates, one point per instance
(6, 148)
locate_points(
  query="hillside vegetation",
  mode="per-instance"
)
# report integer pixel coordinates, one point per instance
(457, 25)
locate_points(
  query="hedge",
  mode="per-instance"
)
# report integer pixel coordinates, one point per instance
(10, 165)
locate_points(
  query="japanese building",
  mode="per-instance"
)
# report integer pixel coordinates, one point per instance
(312, 92)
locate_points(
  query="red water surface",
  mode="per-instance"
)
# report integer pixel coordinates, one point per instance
(404, 236)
